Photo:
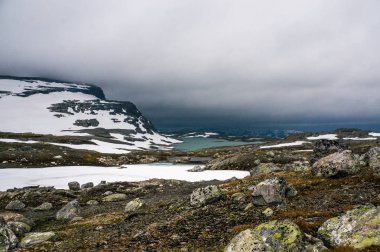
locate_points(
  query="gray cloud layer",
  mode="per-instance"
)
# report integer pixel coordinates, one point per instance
(206, 60)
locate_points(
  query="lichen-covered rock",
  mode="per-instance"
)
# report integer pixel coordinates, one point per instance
(36, 238)
(337, 164)
(92, 203)
(8, 239)
(268, 212)
(373, 159)
(15, 205)
(134, 205)
(274, 236)
(69, 211)
(74, 186)
(205, 195)
(298, 166)
(46, 206)
(238, 197)
(264, 168)
(358, 228)
(324, 147)
(19, 228)
(115, 197)
(270, 191)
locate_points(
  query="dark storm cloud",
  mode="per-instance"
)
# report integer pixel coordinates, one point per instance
(206, 60)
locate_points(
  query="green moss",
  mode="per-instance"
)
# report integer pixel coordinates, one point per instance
(367, 242)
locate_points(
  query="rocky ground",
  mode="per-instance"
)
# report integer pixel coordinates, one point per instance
(294, 200)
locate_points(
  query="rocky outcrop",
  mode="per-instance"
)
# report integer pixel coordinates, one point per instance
(8, 239)
(87, 185)
(274, 236)
(69, 211)
(19, 228)
(205, 195)
(372, 158)
(134, 205)
(358, 228)
(264, 168)
(272, 192)
(87, 123)
(337, 164)
(36, 238)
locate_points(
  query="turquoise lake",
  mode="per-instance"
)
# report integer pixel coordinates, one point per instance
(198, 143)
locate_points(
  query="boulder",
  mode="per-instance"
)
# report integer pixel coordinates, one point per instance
(46, 206)
(197, 168)
(19, 228)
(373, 159)
(272, 192)
(115, 197)
(36, 238)
(134, 205)
(324, 147)
(74, 186)
(87, 185)
(274, 236)
(264, 168)
(337, 164)
(8, 239)
(358, 228)
(69, 211)
(205, 195)
(15, 205)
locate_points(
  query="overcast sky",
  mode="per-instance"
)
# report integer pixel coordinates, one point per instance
(204, 61)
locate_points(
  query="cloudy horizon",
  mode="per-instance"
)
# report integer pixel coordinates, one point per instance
(206, 62)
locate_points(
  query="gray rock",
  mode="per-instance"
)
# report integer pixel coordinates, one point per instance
(337, 164)
(87, 185)
(74, 186)
(107, 193)
(298, 166)
(205, 195)
(238, 197)
(275, 236)
(270, 191)
(46, 206)
(36, 238)
(8, 239)
(69, 211)
(115, 197)
(373, 157)
(92, 203)
(15, 205)
(134, 205)
(358, 228)
(270, 154)
(264, 168)
(87, 123)
(324, 148)
(290, 192)
(19, 228)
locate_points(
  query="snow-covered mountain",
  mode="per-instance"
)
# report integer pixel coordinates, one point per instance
(52, 107)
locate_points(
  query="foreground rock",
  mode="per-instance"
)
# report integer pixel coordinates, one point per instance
(274, 236)
(36, 238)
(324, 147)
(8, 239)
(134, 205)
(69, 211)
(15, 205)
(205, 195)
(336, 165)
(358, 228)
(272, 191)
(373, 156)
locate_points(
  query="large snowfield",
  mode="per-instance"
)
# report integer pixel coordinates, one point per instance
(60, 176)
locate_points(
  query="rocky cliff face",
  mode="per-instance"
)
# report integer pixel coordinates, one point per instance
(46, 106)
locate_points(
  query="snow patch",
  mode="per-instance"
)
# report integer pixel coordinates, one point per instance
(374, 134)
(325, 136)
(296, 143)
(360, 138)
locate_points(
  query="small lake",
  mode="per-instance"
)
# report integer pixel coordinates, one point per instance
(198, 143)
(60, 176)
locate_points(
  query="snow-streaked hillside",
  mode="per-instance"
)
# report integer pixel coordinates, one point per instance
(48, 107)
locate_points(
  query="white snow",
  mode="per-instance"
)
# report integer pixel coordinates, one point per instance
(360, 138)
(296, 143)
(374, 134)
(325, 136)
(7, 140)
(60, 176)
(203, 135)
